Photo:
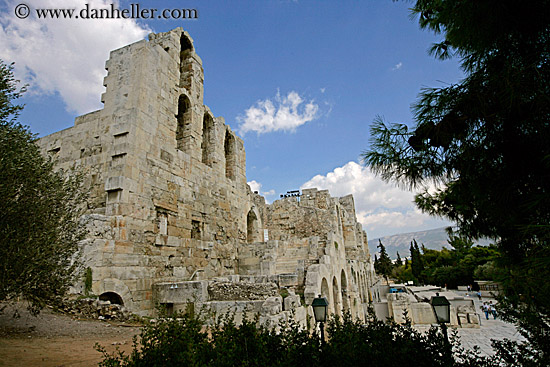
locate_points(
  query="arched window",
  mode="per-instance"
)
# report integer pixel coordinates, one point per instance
(344, 286)
(186, 71)
(325, 292)
(207, 126)
(336, 299)
(229, 148)
(185, 43)
(251, 227)
(183, 119)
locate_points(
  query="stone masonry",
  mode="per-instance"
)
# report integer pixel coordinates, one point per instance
(172, 220)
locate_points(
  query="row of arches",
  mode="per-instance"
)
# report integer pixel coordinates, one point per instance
(336, 294)
(183, 137)
(344, 289)
(361, 280)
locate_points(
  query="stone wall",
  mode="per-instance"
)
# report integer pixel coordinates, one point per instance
(414, 303)
(169, 204)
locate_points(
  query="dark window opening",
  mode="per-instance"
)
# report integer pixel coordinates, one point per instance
(186, 70)
(114, 196)
(185, 43)
(195, 229)
(168, 308)
(229, 148)
(53, 152)
(112, 297)
(183, 119)
(251, 226)
(207, 126)
(162, 223)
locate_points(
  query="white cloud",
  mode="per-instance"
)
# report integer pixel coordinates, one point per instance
(397, 66)
(257, 187)
(282, 113)
(65, 56)
(381, 208)
(254, 186)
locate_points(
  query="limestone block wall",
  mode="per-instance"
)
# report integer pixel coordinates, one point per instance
(321, 235)
(237, 296)
(169, 204)
(168, 192)
(416, 306)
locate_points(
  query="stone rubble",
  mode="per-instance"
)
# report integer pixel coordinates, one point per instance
(93, 308)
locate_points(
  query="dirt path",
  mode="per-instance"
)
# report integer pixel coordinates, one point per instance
(52, 339)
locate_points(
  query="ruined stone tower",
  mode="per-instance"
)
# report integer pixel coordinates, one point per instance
(172, 220)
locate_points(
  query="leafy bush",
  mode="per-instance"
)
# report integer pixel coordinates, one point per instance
(88, 279)
(40, 224)
(186, 341)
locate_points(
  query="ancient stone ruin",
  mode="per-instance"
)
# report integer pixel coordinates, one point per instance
(173, 223)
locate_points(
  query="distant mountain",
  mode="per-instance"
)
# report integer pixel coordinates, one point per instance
(434, 239)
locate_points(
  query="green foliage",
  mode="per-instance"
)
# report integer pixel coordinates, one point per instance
(40, 212)
(9, 93)
(417, 265)
(398, 261)
(458, 266)
(88, 281)
(403, 273)
(485, 140)
(383, 265)
(486, 271)
(186, 341)
(377, 343)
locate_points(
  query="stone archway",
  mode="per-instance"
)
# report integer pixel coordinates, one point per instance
(230, 155)
(114, 289)
(252, 226)
(325, 292)
(183, 119)
(336, 299)
(112, 297)
(206, 144)
(345, 296)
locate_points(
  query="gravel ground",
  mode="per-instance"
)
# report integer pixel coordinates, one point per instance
(53, 339)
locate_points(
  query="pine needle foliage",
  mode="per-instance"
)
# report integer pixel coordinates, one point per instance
(484, 142)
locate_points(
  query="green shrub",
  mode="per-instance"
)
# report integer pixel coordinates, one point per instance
(88, 281)
(186, 341)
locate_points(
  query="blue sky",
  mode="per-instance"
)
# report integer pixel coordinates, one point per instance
(299, 81)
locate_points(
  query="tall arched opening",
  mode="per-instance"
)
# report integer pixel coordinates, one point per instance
(345, 296)
(207, 127)
(252, 227)
(325, 292)
(186, 70)
(183, 120)
(336, 299)
(229, 149)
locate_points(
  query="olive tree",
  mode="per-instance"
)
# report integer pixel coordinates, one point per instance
(40, 211)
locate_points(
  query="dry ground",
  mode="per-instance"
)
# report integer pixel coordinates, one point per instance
(53, 339)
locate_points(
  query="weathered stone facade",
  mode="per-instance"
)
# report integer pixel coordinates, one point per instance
(171, 216)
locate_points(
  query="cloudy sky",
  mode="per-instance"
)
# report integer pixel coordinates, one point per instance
(300, 81)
